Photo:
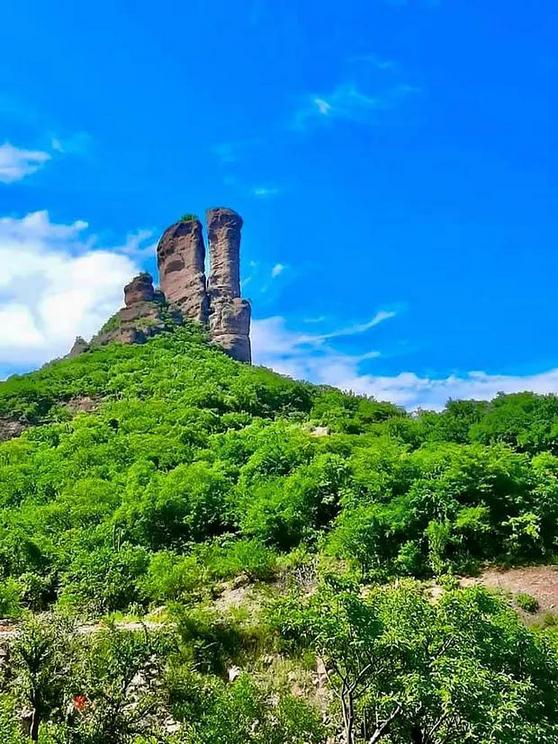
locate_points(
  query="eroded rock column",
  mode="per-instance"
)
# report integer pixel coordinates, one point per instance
(229, 314)
(181, 263)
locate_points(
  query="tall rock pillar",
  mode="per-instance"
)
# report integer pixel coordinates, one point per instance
(181, 263)
(229, 314)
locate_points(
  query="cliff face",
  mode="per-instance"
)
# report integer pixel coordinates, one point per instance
(215, 302)
(185, 293)
(229, 314)
(181, 263)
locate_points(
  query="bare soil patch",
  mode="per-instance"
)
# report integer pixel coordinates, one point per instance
(541, 582)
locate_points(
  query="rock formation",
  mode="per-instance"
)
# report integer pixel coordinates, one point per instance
(145, 314)
(181, 263)
(80, 345)
(140, 289)
(185, 294)
(217, 302)
(229, 314)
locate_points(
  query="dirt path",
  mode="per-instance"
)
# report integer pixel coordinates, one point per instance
(8, 628)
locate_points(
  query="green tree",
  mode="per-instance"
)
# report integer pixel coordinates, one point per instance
(41, 663)
(407, 669)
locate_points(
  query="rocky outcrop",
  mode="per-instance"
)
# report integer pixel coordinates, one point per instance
(185, 294)
(145, 315)
(181, 263)
(80, 345)
(229, 314)
(140, 289)
(11, 427)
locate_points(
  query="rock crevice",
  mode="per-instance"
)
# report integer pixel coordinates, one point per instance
(215, 302)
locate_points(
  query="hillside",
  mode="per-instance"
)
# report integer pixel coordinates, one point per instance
(240, 511)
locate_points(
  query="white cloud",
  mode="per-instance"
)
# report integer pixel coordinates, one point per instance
(347, 102)
(16, 163)
(139, 244)
(324, 107)
(318, 319)
(299, 355)
(55, 283)
(305, 356)
(277, 270)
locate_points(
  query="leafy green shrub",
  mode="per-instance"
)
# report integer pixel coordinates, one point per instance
(526, 602)
(172, 577)
(10, 598)
(250, 557)
(104, 580)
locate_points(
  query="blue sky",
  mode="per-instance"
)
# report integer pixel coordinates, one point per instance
(395, 162)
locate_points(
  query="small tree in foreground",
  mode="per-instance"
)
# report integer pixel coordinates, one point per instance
(406, 668)
(42, 656)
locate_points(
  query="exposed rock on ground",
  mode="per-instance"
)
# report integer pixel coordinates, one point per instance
(140, 289)
(80, 345)
(541, 582)
(10, 428)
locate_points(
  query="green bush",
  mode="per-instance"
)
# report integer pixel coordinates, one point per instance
(10, 598)
(526, 602)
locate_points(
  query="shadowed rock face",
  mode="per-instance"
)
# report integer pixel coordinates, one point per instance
(181, 263)
(229, 314)
(139, 289)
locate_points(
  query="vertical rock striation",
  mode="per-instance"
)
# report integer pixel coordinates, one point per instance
(229, 314)
(181, 263)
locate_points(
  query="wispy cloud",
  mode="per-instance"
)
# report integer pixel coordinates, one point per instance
(308, 357)
(226, 152)
(233, 150)
(358, 328)
(348, 102)
(264, 192)
(73, 144)
(17, 163)
(277, 270)
(375, 61)
(275, 328)
(139, 244)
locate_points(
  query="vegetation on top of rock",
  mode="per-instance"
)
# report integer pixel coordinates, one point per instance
(189, 217)
(112, 324)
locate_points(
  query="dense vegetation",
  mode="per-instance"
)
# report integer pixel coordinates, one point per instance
(196, 480)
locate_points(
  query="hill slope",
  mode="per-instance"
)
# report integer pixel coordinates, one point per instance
(151, 474)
